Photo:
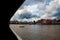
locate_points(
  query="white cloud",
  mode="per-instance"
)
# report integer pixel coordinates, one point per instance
(51, 9)
(39, 9)
(41, 5)
(32, 8)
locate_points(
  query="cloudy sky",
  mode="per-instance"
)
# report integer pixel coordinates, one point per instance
(32, 10)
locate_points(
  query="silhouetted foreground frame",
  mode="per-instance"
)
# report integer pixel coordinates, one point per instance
(10, 7)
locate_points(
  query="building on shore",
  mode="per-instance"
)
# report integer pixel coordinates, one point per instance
(42, 21)
(45, 21)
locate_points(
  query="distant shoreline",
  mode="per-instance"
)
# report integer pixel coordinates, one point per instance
(39, 24)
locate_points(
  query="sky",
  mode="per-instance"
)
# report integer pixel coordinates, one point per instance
(33, 10)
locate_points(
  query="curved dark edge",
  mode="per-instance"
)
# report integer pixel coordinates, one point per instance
(9, 8)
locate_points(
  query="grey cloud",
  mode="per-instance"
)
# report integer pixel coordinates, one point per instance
(27, 16)
(52, 9)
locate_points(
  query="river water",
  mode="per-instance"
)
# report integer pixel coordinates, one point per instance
(37, 32)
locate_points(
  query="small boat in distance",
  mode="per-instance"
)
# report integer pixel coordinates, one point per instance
(21, 26)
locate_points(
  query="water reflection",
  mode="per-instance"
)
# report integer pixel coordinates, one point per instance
(37, 32)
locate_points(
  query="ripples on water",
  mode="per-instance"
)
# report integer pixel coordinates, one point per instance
(37, 32)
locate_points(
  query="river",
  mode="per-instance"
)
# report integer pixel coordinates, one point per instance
(37, 32)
